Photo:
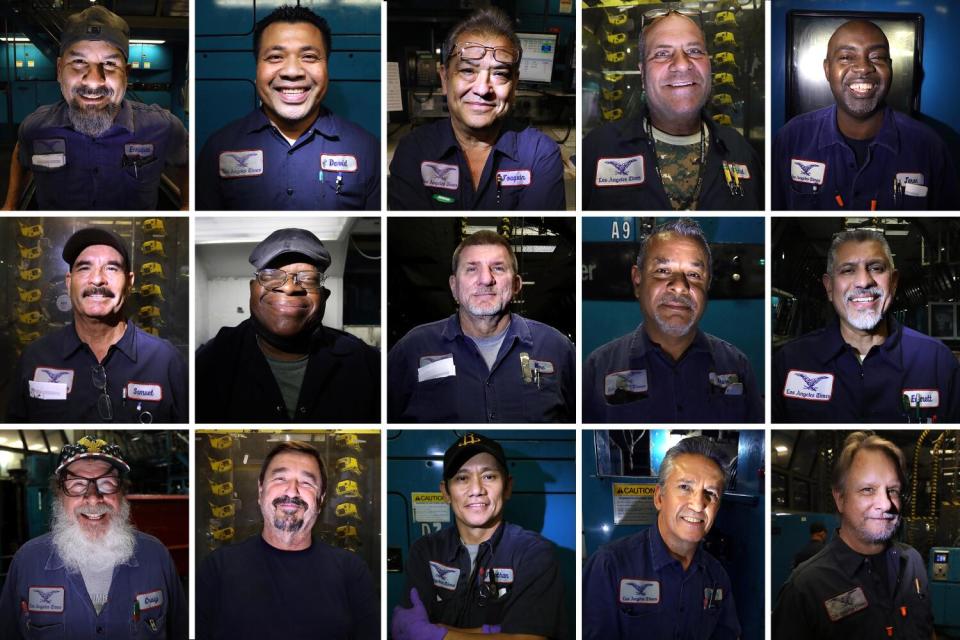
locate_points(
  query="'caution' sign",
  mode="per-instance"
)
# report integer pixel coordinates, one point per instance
(429, 506)
(633, 503)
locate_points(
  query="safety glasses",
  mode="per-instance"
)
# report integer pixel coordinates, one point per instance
(272, 279)
(76, 486)
(651, 16)
(473, 51)
(104, 405)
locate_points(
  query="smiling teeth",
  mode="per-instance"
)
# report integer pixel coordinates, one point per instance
(861, 86)
(291, 92)
(870, 299)
(692, 520)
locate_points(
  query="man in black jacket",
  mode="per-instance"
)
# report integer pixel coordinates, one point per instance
(282, 364)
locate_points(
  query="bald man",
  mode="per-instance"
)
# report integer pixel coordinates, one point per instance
(860, 153)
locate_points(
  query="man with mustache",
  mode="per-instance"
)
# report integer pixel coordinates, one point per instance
(283, 583)
(291, 153)
(864, 366)
(102, 367)
(671, 155)
(668, 370)
(479, 157)
(860, 153)
(282, 364)
(863, 584)
(96, 150)
(94, 575)
(483, 363)
(661, 583)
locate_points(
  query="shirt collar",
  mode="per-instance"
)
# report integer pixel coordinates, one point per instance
(888, 136)
(851, 561)
(632, 129)
(451, 543)
(518, 327)
(127, 344)
(641, 343)
(507, 142)
(660, 554)
(325, 124)
(835, 346)
(124, 119)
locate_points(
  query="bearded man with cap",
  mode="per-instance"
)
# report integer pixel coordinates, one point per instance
(102, 367)
(95, 150)
(282, 364)
(93, 575)
(483, 575)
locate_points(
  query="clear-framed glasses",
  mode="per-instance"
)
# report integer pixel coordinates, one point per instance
(276, 278)
(651, 16)
(76, 486)
(104, 405)
(476, 51)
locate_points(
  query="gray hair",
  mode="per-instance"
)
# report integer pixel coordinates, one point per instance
(683, 227)
(856, 235)
(694, 445)
(490, 21)
(866, 441)
(642, 42)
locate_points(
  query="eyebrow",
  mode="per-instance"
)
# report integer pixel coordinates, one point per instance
(662, 260)
(309, 474)
(73, 53)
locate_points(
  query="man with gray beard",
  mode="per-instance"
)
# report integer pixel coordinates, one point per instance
(862, 584)
(94, 150)
(865, 366)
(93, 575)
(483, 363)
(668, 370)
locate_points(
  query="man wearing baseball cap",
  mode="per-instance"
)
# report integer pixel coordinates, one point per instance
(93, 575)
(95, 150)
(484, 575)
(102, 367)
(282, 364)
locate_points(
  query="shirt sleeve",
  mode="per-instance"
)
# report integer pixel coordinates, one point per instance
(535, 605)
(372, 201)
(418, 577)
(177, 153)
(207, 610)
(778, 410)
(405, 188)
(9, 600)
(588, 167)
(754, 396)
(23, 153)
(600, 581)
(546, 190)
(178, 613)
(791, 615)
(570, 383)
(398, 392)
(591, 406)
(208, 179)
(778, 182)
(17, 403)
(364, 602)
(177, 374)
(945, 194)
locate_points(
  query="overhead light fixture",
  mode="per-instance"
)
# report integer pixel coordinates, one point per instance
(781, 448)
(148, 42)
(253, 230)
(14, 39)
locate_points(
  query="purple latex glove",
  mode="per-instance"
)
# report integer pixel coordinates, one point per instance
(413, 623)
(491, 628)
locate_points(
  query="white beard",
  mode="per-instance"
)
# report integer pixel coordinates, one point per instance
(81, 552)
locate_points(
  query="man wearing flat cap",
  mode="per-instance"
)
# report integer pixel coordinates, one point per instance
(282, 364)
(102, 367)
(93, 575)
(95, 150)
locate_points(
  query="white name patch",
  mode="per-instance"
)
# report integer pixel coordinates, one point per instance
(142, 150)
(808, 385)
(740, 169)
(241, 164)
(502, 576)
(45, 599)
(630, 381)
(440, 176)
(910, 178)
(517, 178)
(923, 398)
(443, 576)
(50, 374)
(47, 390)
(150, 600)
(846, 604)
(639, 591)
(49, 160)
(344, 163)
(441, 368)
(144, 391)
(619, 172)
(807, 171)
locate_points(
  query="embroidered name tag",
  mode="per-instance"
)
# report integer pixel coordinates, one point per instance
(49, 374)
(141, 150)
(241, 164)
(502, 576)
(144, 391)
(846, 604)
(440, 176)
(45, 599)
(807, 171)
(338, 163)
(619, 172)
(443, 576)
(923, 398)
(518, 178)
(47, 390)
(49, 160)
(808, 385)
(150, 600)
(740, 169)
(630, 381)
(639, 591)
(910, 178)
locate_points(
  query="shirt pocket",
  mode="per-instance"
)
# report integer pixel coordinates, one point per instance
(544, 402)
(352, 191)
(642, 621)
(434, 401)
(805, 197)
(52, 411)
(724, 408)
(149, 627)
(40, 630)
(143, 178)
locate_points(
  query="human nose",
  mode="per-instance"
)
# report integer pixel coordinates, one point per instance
(475, 486)
(96, 74)
(681, 61)
(863, 64)
(679, 282)
(883, 501)
(698, 501)
(291, 68)
(865, 277)
(483, 85)
(486, 276)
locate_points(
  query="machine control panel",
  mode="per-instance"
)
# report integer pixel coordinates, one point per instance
(940, 563)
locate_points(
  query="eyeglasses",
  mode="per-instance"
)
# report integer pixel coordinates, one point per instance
(474, 51)
(276, 278)
(651, 16)
(104, 405)
(76, 486)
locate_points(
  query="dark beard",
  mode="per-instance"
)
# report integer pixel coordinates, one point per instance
(92, 122)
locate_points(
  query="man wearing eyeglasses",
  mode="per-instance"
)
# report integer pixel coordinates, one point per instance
(282, 364)
(102, 367)
(483, 576)
(93, 575)
(291, 153)
(671, 156)
(478, 158)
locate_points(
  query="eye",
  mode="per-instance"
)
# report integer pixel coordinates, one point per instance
(467, 71)
(499, 269)
(683, 486)
(273, 57)
(877, 268)
(695, 51)
(694, 275)
(893, 493)
(713, 496)
(661, 53)
(868, 491)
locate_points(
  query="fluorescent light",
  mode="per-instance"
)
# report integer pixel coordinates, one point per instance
(781, 448)
(14, 39)
(137, 41)
(253, 230)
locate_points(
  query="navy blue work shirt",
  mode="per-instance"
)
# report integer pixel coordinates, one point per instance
(815, 169)
(634, 588)
(41, 599)
(619, 170)
(515, 582)
(818, 378)
(632, 380)
(524, 171)
(248, 164)
(146, 380)
(120, 170)
(465, 390)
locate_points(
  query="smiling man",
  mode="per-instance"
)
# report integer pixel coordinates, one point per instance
(860, 153)
(668, 370)
(94, 575)
(478, 158)
(102, 367)
(96, 150)
(282, 364)
(863, 584)
(483, 363)
(864, 366)
(292, 153)
(283, 583)
(483, 576)
(671, 156)
(660, 583)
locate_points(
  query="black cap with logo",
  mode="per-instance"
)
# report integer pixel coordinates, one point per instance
(468, 446)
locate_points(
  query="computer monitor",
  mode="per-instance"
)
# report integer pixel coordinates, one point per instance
(538, 52)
